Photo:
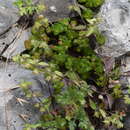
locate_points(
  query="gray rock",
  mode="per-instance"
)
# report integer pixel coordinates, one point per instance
(8, 14)
(116, 27)
(18, 45)
(8, 17)
(125, 71)
(57, 9)
(11, 110)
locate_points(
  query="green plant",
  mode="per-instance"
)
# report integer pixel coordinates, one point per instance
(63, 53)
(27, 7)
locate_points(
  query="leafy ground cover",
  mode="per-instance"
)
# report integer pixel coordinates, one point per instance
(82, 92)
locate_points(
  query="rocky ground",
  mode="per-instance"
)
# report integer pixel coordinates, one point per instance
(115, 25)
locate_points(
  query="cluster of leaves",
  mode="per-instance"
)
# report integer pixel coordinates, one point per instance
(79, 87)
(27, 7)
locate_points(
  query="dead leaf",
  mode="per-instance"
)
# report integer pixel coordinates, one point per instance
(109, 63)
(21, 101)
(24, 117)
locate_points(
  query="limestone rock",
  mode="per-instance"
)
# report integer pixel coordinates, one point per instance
(57, 9)
(8, 14)
(115, 25)
(13, 114)
(8, 17)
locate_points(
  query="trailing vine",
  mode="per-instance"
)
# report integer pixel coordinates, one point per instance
(63, 52)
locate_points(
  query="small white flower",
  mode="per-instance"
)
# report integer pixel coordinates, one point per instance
(53, 9)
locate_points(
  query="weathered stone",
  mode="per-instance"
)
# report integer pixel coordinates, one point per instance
(57, 9)
(12, 112)
(125, 71)
(8, 17)
(116, 27)
(8, 14)
(17, 45)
